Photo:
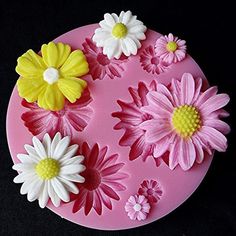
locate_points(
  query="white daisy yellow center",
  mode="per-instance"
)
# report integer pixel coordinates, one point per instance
(186, 120)
(119, 30)
(137, 207)
(51, 75)
(47, 168)
(171, 46)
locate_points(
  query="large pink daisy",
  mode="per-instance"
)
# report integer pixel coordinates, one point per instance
(103, 179)
(100, 66)
(73, 117)
(185, 121)
(131, 116)
(170, 49)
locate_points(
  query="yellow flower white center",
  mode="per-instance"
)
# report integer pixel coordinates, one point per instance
(186, 120)
(137, 207)
(171, 46)
(51, 75)
(47, 168)
(119, 30)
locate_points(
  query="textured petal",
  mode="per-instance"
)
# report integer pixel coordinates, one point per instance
(174, 154)
(72, 169)
(214, 103)
(26, 159)
(199, 150)
(74, 178)
(137, 148)
(23, 167)
(218, 125)
(131, 46)
(61, 148)
(47, 144)
(187, 154)
(53, 195)
(30, 65)
(70, 152)
(214, 138)
(60, 190)
(70, 187)
(88, 203)
(43, 198)
(51, 98)
(79, 202)
(187, 88)
(110, 20)
(32, 152)
(109, 191)
(34, 190)
(97, 203)
(206, 95)
(75, 65)
(55, 141)
(72, 88)
(22, 177)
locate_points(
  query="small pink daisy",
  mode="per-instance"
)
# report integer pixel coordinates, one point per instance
(137, 207)
(73, 117)
(170, 48)
(151, 190)
(151, 62)
(103, 180)
(100, 66)
(185, 121)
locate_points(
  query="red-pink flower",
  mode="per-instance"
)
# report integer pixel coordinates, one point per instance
(131, 117)
(103, 179)
(137, 207)
(73, 117)
(100, 66)
(151, 62)
(170, 48)
(185, 121)
(151, 189)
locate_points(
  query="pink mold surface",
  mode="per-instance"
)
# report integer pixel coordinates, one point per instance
(110, 83)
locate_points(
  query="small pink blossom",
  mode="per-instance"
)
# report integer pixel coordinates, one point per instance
(186, 121)
(151, 62)
(151, 190)
(170, 48)
(103, 180)
(73, 117)
(100, 66)
(137, 207)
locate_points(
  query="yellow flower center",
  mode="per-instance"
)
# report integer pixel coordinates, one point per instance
(51, 75)
(171, 46)
(47, 168)
(186, 120)
(119, 30)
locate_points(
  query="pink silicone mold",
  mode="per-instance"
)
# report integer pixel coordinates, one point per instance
(91, 125)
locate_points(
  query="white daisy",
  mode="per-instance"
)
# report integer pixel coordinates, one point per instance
(49, 170)
(119, 34)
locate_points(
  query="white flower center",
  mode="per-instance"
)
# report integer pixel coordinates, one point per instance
(51, 75)
(137, 207)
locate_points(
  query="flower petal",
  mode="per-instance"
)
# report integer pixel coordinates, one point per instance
(187, 88)
(60, 190)
(75, 65)
(61, 148)
(39, 148)
(72, 169)
(43, 197)
(109, 191)
(88, 203)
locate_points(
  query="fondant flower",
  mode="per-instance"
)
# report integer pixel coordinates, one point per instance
(99, 64)
(137, 207)
(119, 34)
(170, 49)
(151, 62)
(131, 117)
(151, 189)
(49, 170)
(52, 77)
(185, 121)
(103, 179)
(73, 117)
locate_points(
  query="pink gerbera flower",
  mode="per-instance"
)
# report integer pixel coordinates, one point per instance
(131, 117)
(103, 179)
(100, 66)
(185, 121)
(151, 62)
(151, 190)
(170, 49)
(73, 117)
(137, 207)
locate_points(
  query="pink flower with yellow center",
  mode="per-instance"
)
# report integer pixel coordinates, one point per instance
(185, 121)
(170, 49)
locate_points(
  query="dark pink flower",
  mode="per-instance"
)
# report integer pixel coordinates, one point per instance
(131, 117)
(151, 190)
(73, 117)
(151, 62)
(99, 64)
(103, 179)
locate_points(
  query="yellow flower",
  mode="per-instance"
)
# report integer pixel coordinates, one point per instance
(52, 77)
